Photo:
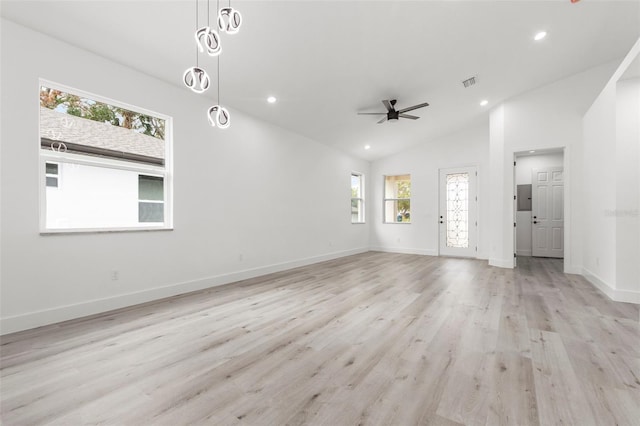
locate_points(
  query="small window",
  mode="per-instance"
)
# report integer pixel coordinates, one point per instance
(150, 199)
(51, 171)
(397, 199)
(115, 160)
(357, 198)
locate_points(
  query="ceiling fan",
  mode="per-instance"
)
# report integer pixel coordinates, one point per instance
(392, 114)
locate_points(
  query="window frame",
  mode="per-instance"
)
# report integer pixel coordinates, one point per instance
(49, 156)
(361, 199)
(385, 199)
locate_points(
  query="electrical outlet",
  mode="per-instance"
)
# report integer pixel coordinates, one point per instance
(115, 275)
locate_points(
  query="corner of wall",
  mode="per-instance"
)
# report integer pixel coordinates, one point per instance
(626, 296)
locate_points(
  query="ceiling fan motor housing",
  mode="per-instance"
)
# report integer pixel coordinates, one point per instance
(392, 114)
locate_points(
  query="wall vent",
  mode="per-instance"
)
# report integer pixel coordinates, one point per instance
(469, 82)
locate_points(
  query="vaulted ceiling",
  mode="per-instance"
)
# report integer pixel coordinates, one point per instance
(327, 60)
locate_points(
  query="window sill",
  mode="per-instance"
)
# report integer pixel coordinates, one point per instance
(396, 223)
(358, 223)
(47, 232)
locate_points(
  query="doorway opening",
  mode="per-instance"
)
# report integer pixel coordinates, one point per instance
(539, 203)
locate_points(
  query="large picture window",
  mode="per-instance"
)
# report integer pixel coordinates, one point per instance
(397, 199)
(357, 198)
(115, 160)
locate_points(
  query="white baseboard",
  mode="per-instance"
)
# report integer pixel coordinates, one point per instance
(572, 269)
(63, 313)
(501, 263)
(405, 250)
(523, 252)
(612, 293)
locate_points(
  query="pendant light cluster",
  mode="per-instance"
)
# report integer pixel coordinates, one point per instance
(208, 40)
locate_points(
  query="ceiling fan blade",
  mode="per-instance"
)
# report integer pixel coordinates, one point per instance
(413, 107)
(382, 120)
(410, 117)
(372, 113)
(387, 105)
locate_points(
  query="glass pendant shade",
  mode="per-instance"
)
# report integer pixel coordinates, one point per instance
(208, 38)
(219, 117)
(229, 20)
(196, 79)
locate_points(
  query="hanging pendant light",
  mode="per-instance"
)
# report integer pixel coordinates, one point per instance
(207, 37)
(229, 20)
(219, 117)
(196, 79)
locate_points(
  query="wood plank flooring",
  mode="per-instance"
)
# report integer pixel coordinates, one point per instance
(371, 339)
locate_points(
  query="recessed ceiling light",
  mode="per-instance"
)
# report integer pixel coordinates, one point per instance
(367, 147)
(532, 151)
(484, 102)
(271, 99)
(540, 35)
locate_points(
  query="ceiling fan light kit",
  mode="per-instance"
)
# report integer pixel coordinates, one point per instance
(207, 38)
(392, 115)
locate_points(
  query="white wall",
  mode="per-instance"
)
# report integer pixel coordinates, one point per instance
(524, 167)
(467, 147)
(249, 200)
(611, 174)
(611, 169)
(627, 188)
(599, 249)
(545, 118)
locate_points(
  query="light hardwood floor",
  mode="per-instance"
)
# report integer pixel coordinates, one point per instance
(376, 338)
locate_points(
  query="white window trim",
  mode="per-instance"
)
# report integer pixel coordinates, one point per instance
(384, 200)
(361, 198)
(166, 171)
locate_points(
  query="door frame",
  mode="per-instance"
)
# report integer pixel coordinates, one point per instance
(568, 266)
(474, 220)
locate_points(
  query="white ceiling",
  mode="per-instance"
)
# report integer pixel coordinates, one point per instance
(327, 60)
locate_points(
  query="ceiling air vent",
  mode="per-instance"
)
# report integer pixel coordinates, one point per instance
(469, 82)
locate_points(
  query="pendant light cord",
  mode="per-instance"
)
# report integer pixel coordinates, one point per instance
(218, 57)
(197, 63)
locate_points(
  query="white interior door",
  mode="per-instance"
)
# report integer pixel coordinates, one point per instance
(457, 218)
(547, 209)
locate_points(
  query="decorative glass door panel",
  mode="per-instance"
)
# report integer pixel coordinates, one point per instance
(457, 210)
(457, 217)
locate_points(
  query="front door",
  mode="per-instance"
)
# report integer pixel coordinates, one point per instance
(457, 216)
(547, 209)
